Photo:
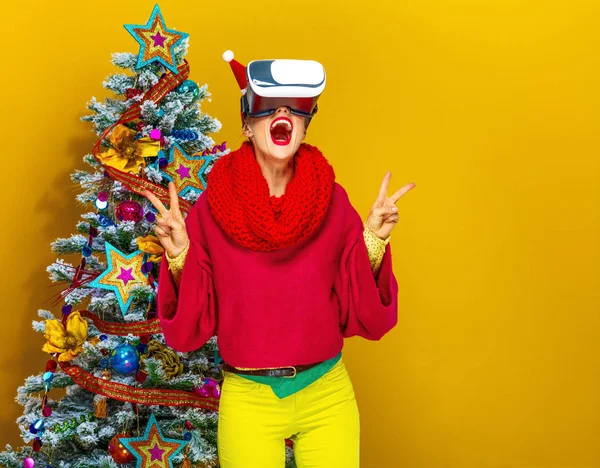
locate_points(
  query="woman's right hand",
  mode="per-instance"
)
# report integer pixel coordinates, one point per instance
(170, 225)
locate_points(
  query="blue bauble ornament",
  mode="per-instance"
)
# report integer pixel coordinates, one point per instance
(48, 376)
(125, 359)
(37, 427)
(188, 86)
(104, 221)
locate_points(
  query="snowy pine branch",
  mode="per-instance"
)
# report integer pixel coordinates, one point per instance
(119, 83)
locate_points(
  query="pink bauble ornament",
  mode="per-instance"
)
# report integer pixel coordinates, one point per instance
(155, 134)
(210, 388)
(28, 463)
(129, 211)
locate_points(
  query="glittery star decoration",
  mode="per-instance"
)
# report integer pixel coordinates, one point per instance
(122, 274)
(152, 450)
(186, 172)
(156, 41)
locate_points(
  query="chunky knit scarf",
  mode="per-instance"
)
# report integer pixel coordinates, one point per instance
(238, 195)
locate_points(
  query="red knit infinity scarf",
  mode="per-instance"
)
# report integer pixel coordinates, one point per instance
(238, 195)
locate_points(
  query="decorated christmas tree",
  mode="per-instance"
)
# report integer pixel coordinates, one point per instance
(129, 399)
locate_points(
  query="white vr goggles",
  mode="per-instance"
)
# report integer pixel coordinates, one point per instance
(267, 85)
(296, 84)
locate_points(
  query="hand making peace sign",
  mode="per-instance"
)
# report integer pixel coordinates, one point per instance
(384, 213)
(170, 225)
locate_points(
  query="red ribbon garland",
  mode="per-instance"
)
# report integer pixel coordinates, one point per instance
(136, 184)
(141, 396)
(147, 327)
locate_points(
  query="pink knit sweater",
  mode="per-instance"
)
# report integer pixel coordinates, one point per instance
(285, 307)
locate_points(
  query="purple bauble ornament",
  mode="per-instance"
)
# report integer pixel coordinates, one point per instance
(129, 211)
(28, 463)
(147, 267)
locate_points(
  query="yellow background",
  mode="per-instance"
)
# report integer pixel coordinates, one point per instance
(491, 107)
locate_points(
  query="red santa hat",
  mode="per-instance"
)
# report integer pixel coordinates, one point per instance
(239, 70)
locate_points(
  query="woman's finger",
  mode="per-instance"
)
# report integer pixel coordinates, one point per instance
(155, 201)
(162, 221)
(166, 228)
(160, 232)
(172, 223)
(384, 187)
(174, 199)
(384, 211)
(396, 196)
(165, 224)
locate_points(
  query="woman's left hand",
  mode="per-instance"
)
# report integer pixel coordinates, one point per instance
(384, 212)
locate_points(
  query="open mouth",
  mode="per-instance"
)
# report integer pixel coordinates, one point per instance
(281, 131)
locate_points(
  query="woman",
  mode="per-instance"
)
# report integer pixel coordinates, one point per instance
(275, 260)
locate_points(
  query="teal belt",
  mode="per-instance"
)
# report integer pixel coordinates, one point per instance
(286, 386)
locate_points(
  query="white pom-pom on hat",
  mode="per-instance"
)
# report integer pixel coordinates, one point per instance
(228, 55)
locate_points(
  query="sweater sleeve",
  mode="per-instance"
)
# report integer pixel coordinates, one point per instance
(375, 248)
(187, 308)
(368, 300)
(176, 264)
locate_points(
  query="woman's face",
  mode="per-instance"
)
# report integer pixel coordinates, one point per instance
(277, 136)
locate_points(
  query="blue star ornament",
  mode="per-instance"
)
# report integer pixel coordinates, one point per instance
(186, 172)
(157, 42)
(153, 450)
(122, 274)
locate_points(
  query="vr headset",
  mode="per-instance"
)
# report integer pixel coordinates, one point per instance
(296, 84)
